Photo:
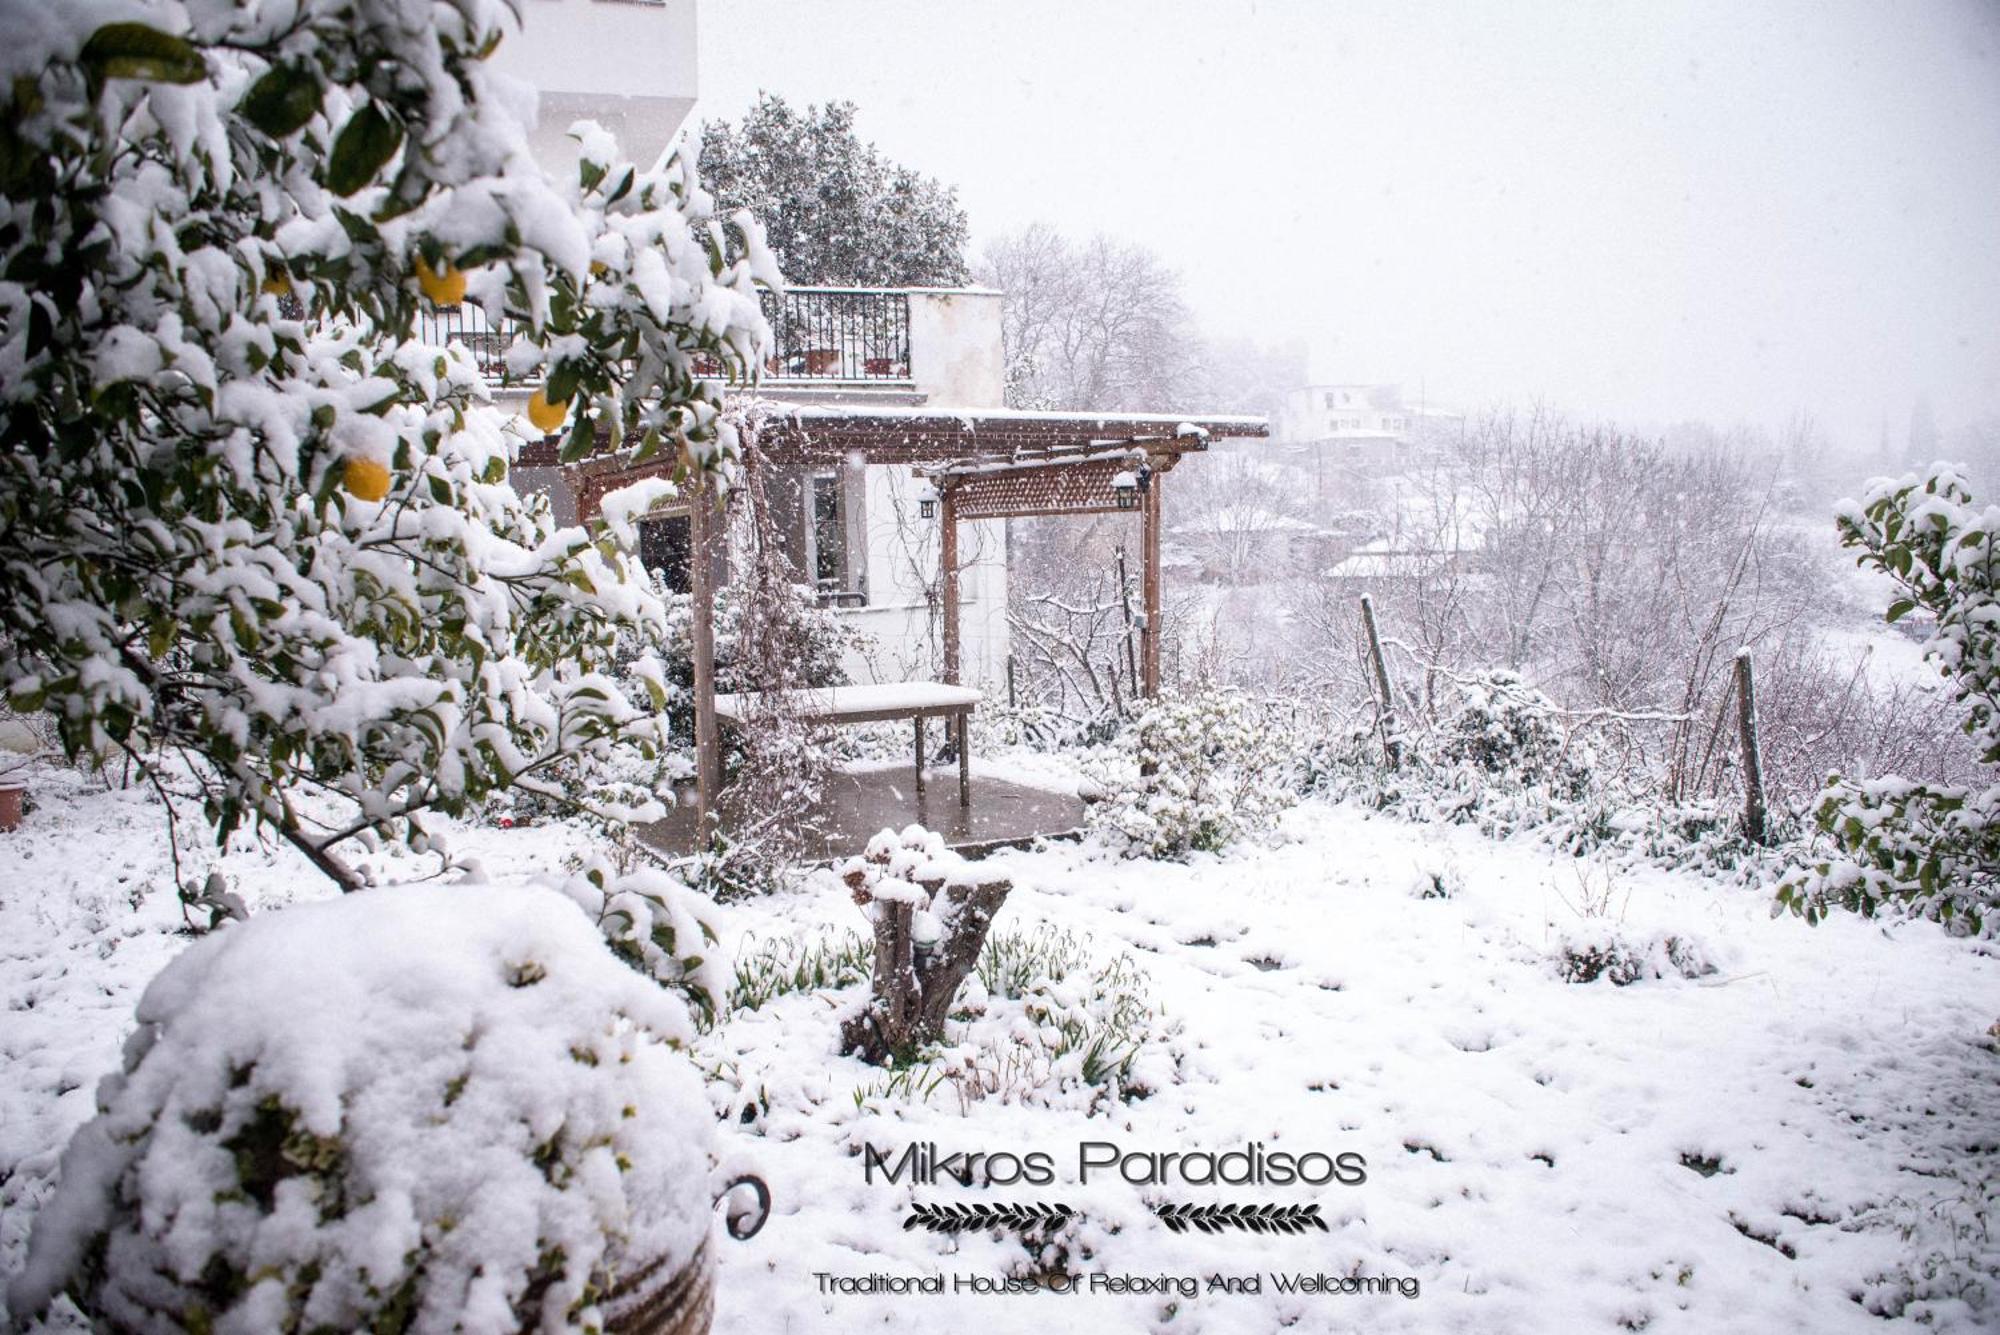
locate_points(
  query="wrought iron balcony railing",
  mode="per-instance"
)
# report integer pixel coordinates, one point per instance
(469, 325)
(830, 333)
(818, 333)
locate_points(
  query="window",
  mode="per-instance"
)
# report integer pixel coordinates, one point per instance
(665, 546)
(827, 561)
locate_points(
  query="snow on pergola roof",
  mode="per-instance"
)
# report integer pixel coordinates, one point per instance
(931, 435)
(902, 435)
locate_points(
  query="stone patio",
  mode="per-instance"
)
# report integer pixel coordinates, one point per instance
(858, 803)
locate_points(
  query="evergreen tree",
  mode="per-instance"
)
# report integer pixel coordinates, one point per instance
(835, 212)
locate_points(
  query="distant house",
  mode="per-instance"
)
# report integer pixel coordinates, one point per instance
(1245, 542)
(1386, 563)
(1364, 428)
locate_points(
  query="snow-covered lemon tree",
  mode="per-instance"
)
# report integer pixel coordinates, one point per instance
(1931, 850)
(246, 519)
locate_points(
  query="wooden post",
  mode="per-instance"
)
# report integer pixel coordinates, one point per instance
(920, 757)
(1149, 557)
(1391, 749)
(1754, 815)
(948, 570)
(1125, 602)
(964, 758)
(701, 589)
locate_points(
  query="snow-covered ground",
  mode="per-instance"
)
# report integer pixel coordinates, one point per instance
(1797, 1141)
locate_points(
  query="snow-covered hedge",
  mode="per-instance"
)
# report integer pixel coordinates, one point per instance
(1196, 774)
(416, 1108)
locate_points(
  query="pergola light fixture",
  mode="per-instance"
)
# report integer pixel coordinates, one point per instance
(927, 502)
(1125, 488)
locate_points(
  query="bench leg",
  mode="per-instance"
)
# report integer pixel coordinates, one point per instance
(964, 761)
(920, 756)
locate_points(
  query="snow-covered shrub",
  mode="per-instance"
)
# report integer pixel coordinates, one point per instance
(250, 521)
(1046, 1022)
(816, 641)
(1509, 732)
(1599, 948)
(1928, 850)
(660, 927)
(418, 1108)
(1196, 773)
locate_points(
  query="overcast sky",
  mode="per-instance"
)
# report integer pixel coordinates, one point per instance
(1649, 212)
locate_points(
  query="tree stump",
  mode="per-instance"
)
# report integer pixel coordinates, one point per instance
(931, 910)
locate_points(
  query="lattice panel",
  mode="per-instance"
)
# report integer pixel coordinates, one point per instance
(1045, 489)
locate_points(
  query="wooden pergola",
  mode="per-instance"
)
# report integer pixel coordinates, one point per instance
(983, 464)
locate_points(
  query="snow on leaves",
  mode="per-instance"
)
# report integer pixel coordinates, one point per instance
(247, 518)
(1929, 850)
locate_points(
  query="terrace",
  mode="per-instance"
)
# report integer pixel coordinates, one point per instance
(827, 342)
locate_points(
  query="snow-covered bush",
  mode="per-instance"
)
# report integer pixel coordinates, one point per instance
(1599, 948)
(1044, 1021)
(816, 643)
(419, 1108)
(1196, 774)
(1509, 732)
(249, 520)
(1928, 850)
(659, 926)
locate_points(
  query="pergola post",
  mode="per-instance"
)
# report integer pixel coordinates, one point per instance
(948, 570)
(701, 590)
(1149, 557)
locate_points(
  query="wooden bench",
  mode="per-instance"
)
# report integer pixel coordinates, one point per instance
(841, 705)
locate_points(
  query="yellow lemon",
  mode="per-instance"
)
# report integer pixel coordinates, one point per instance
(279, 284)
(444, 289)
(365, 479)
(545, 415)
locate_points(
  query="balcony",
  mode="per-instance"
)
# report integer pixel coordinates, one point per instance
(839, 334)
(876, 345)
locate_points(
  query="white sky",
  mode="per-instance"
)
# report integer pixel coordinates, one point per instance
(1643, 211)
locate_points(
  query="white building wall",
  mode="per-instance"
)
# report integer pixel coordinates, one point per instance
(627, 64)
(956, 362)
(955, 351)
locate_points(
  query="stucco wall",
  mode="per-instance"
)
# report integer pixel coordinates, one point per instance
(627, 64)
(955, 355)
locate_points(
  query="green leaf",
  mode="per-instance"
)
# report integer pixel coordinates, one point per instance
(135, 51)
(563, 377)
(1900, 609)
(366, 143)
(282, 101)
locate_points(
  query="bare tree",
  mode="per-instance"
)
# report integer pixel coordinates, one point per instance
(1092, 324)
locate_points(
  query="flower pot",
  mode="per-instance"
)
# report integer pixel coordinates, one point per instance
(655, 1301)
(11, 797)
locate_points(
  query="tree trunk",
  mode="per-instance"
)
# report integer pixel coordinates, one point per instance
(914, 985)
